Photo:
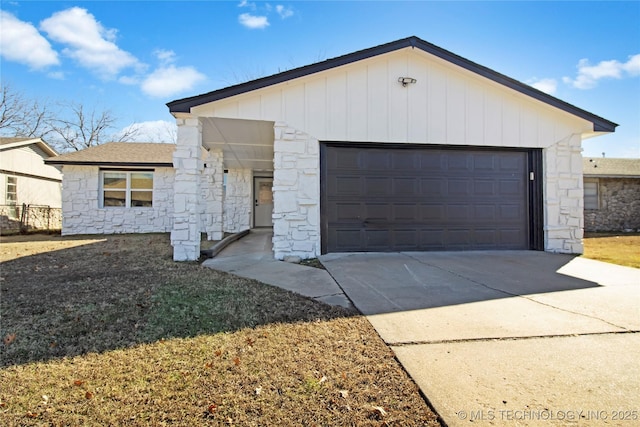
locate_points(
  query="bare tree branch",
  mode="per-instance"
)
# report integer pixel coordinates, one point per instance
(83, 128)
(21, 117)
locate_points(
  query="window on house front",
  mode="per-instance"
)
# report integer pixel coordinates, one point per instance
(11, 195)
(127, 189)
(591, 194)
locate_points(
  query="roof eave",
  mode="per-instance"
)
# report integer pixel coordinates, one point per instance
(54, 161)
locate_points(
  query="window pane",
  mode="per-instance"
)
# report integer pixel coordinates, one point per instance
(141, 199)
(114, 198)
(115, 180)
(591, 195)
(141, 180)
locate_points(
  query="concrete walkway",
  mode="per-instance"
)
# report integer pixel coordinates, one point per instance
(506, 338)
(251, 257)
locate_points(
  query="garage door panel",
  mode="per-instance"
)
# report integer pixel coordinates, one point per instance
(484, 162)
(345, 211)
(406, 240)
(432, 187)
(378, 186)
(391, 199)
(459, 161)
(430, 213)
(405, 212)
(406, 187)
(344, 185)
(459, 187)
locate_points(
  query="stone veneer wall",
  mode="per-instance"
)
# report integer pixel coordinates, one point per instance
(619, 206)
(237, 200)
(212, 190)
(296, 194)
(82, 213)
(563, 196)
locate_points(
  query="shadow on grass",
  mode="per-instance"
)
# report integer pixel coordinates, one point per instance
(68, 296)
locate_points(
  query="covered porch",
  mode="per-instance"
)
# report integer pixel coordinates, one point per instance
(236, 174)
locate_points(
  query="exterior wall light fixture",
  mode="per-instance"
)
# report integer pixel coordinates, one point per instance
(406, 80)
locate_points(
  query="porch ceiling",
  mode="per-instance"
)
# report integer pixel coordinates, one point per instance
(246, 144)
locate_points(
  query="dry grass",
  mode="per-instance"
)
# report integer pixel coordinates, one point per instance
(622, 249)
(110, 331)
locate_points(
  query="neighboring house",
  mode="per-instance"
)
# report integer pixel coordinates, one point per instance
(26, 180)
(117, 187)
(611, 194)
(400, 147)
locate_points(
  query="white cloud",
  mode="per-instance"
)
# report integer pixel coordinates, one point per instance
(250, 5)
(284, 12)
(632, 66)
(253, 22)
(168, 80)
(152, 131)
(165, 56)
(545, 85)
(88, 42)
(588, 75)
(21, 42)
(58, 75)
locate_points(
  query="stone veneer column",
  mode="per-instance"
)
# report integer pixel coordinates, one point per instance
(296, 193)
(563, 193)
(238, 201)
(212, 194)
(185, 235)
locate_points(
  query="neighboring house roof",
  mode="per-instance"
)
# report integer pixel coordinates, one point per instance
(120, 154)
(7, 143)
(184, 105)
(611, 168)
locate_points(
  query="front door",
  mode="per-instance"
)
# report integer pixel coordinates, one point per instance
(263, 202)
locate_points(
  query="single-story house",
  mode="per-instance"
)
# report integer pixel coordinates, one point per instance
(611, 194)
(25, 179)
(401, 147)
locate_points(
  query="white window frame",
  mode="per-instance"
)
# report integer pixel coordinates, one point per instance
(593, 182)
(12, 181)
(127, 190)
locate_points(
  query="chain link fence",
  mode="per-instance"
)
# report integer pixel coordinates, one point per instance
(25, 218)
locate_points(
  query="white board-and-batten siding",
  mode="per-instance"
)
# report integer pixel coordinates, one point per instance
(363, 102)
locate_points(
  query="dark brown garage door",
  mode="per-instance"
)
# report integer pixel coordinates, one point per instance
(406, 199)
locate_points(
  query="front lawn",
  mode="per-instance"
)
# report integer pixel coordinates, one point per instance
(110, 331)
(623, 249)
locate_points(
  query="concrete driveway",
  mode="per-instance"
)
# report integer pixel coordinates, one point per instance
(506, 337)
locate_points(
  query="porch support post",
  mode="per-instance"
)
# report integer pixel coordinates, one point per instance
(296, 194)
(188, 165)
(213, 193)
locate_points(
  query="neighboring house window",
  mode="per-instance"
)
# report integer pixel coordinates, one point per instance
(12, 191)
(591, 194)
(127, 189)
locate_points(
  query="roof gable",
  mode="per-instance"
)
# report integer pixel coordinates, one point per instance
(8, 143)
(184, 105)
(119, 154)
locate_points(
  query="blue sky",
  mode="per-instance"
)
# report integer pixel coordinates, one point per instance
(131, 57)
